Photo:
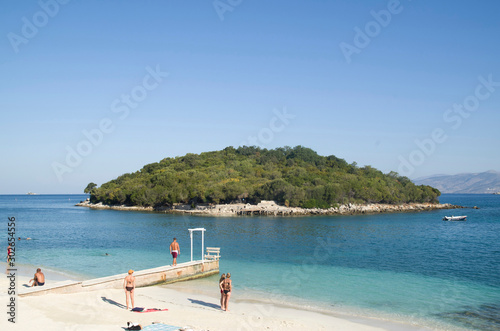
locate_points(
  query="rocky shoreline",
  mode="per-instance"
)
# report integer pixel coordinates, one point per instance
(270, 208)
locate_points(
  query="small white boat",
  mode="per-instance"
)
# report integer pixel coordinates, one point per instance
(455, 218)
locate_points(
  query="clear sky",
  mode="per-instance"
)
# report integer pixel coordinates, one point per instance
(90, 90)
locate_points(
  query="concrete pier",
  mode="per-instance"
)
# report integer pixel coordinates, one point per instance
(148, 277)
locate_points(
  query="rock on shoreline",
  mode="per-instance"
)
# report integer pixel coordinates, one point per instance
(270, 208)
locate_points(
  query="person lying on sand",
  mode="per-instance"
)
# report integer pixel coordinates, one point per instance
(133, 326)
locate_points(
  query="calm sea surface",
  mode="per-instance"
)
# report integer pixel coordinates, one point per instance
(411, 267)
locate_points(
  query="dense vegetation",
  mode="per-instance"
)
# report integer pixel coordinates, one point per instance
(290, 176)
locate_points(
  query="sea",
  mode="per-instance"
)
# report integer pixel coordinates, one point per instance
(412, 267)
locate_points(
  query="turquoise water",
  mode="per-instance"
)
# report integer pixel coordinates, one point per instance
(410, 267)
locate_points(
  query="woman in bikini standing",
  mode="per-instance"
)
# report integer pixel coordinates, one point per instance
(221, 291)
(226, 286)
(9, 253)
(129, 286)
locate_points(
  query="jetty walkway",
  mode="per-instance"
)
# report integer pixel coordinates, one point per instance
(161, 275)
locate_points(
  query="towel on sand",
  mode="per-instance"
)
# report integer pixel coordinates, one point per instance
(146, 310)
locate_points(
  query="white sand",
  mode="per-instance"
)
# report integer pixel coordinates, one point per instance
(104, 310)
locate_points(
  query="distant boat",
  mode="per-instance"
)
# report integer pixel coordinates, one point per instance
(455, 218)
(31, 193)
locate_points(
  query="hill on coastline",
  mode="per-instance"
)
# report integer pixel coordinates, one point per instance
(296, 177)
(484, 182)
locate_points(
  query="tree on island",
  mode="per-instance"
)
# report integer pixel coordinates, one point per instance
(90, 187)
(289, 176)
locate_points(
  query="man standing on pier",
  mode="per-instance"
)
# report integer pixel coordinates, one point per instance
(175, 250)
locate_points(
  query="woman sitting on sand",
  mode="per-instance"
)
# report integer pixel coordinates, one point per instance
(129, 286)
(226, 286)
(221, 291)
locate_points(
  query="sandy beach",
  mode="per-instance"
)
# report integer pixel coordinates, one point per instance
(105, 310)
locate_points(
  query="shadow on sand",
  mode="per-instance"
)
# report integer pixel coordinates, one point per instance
(114, 303)
(203, 303)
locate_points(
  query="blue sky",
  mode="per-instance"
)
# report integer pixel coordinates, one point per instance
(94, 89)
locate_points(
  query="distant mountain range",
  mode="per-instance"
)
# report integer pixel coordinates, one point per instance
(484, 182)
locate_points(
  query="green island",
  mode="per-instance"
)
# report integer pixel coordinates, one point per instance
(291, 177)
